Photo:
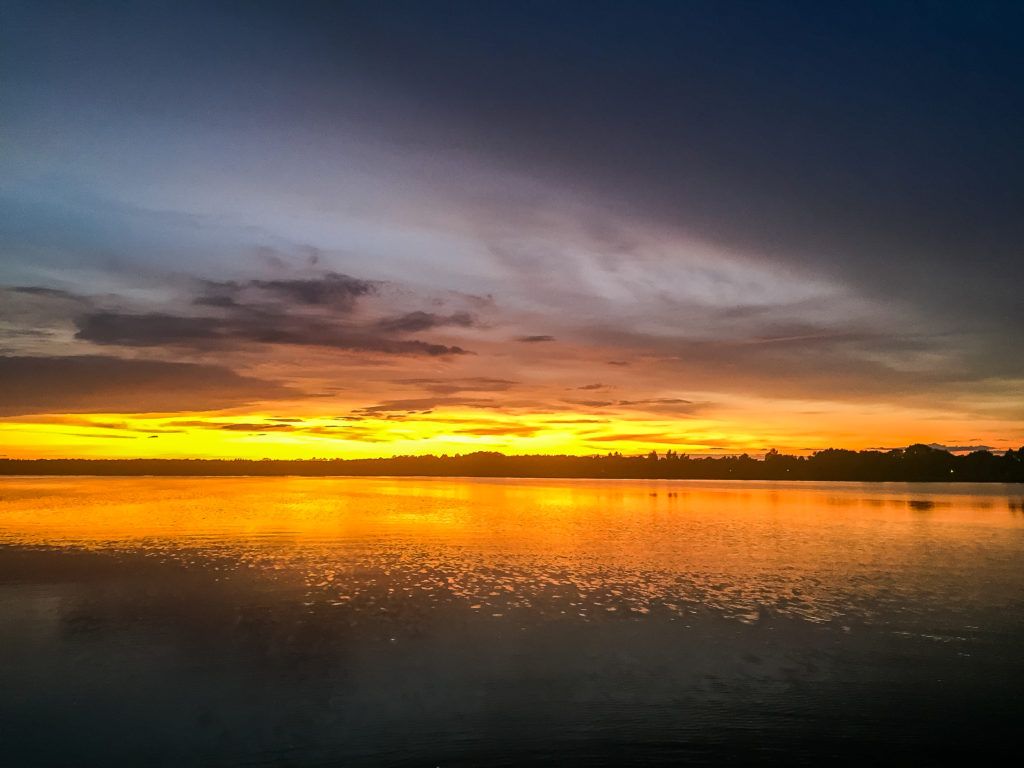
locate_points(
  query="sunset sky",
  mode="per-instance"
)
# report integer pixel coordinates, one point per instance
(364, 229)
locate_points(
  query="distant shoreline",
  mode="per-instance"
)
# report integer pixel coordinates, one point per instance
(341, 476)
(916, 463)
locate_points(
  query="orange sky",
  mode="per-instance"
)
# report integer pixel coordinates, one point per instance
(308, 363)
(542, 418)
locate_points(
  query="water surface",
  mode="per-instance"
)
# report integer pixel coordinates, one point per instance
(416, 621)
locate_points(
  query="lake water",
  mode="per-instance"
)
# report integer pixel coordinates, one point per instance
(443, 622)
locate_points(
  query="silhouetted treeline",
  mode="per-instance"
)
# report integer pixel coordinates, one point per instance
(918, 463)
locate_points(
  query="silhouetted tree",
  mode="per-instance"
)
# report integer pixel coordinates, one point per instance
(914, 463)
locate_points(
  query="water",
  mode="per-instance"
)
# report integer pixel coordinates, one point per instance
(416, 621)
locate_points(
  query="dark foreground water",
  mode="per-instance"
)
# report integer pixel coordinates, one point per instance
(437, 622)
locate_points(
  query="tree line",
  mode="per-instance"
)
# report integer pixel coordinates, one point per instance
(916, 463)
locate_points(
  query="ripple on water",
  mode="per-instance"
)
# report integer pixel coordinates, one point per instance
(817, 553)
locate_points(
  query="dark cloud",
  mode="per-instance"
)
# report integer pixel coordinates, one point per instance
(159, 330)
(102, 384)
(148, 330)
(49, 293)
(308, 312)
(413, 322)
(333, 291)
(339, 291)
(535, 339)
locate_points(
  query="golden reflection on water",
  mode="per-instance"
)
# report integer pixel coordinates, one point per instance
(827, 552)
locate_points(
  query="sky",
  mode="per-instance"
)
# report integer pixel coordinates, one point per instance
(245, 229)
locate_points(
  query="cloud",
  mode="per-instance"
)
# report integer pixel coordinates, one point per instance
(241, 427)
(510, 431)
(161, 329)
(224, 317)
(423, 405)
(639, 437)
(453, 386)
(535, 339)
(851, 364)
(307, 312)
(343, 432)
(49, 293)
(148, 330)
(34, 313)
(332, 290)
(94, 423)
(675, 406)
(672, 401)
(412, 322)
(103, 384)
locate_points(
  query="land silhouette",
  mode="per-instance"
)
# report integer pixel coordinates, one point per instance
(916, 463)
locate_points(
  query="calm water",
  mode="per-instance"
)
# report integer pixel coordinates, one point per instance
(438, 622)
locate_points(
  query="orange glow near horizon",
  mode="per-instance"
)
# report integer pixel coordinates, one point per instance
(265, 434)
